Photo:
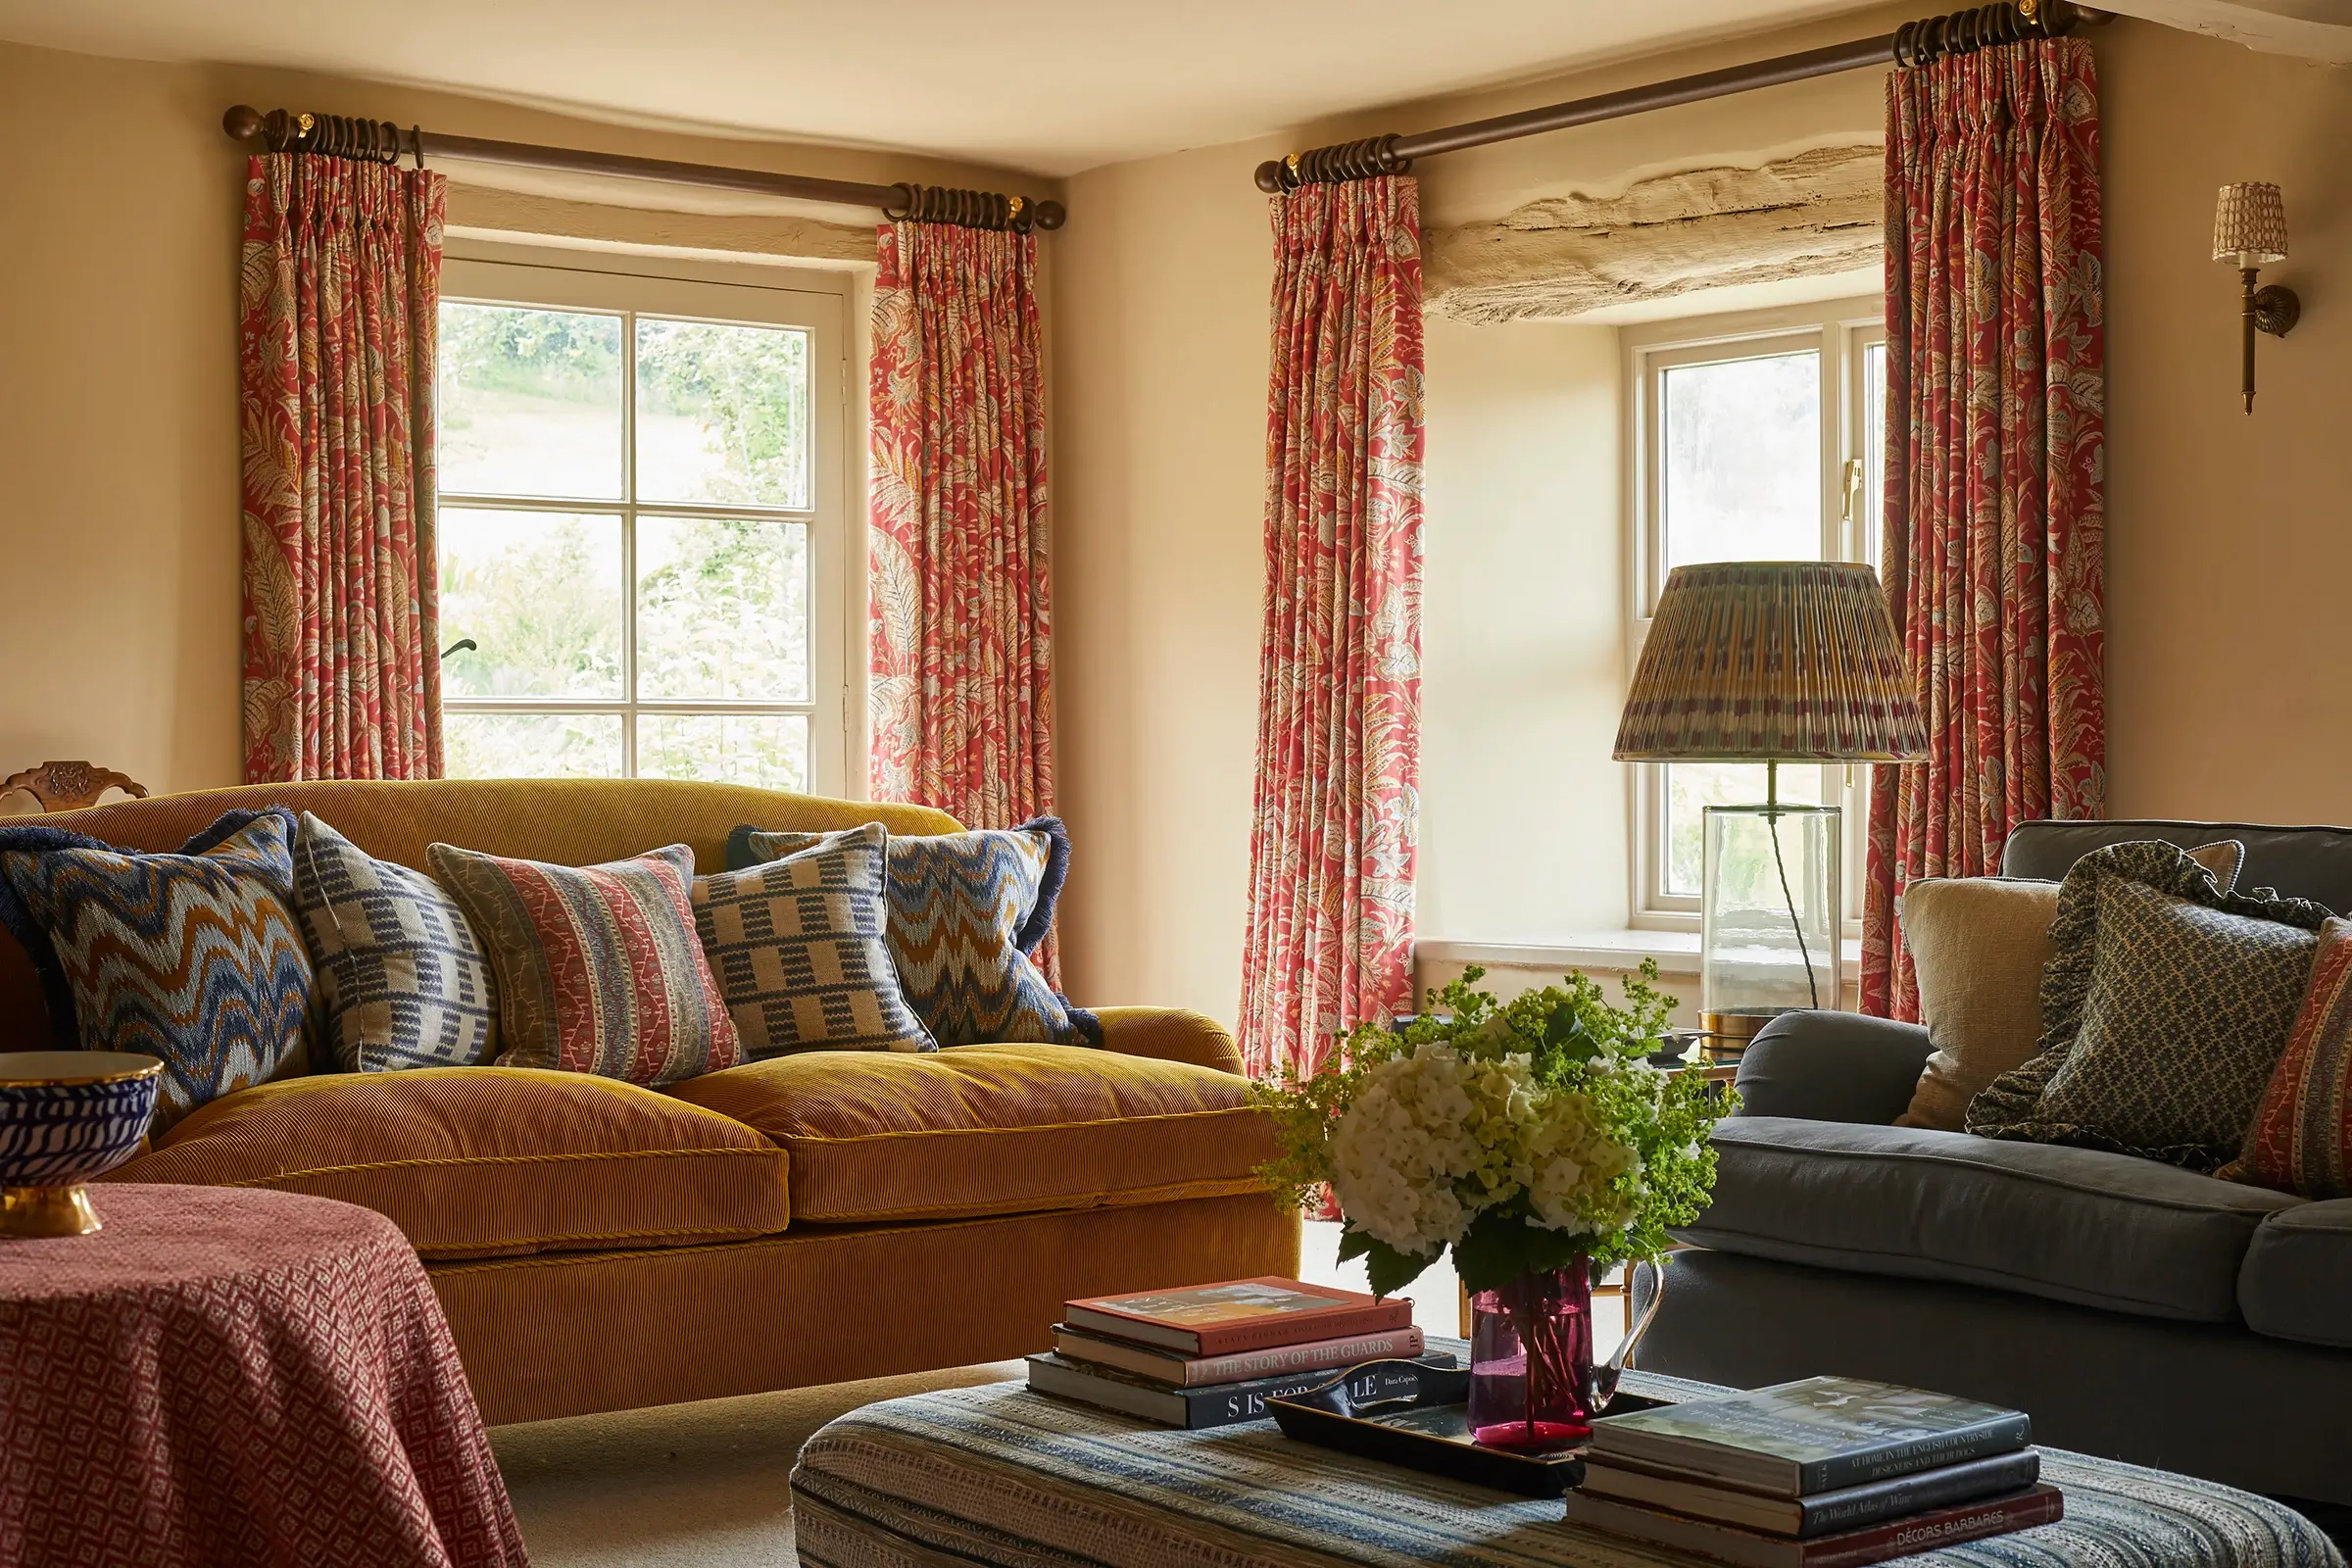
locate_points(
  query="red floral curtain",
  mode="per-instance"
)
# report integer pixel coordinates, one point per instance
(962, 611)
(1996, 431)
(1331, 851)
(338, 310)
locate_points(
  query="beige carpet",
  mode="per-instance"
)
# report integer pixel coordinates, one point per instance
(686, 1486)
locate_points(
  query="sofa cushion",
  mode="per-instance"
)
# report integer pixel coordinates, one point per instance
(2296, 1283)
(489, 1161)
(976, 1130)
(2070, 1224)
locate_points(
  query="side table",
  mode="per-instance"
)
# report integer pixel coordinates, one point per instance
(231, 1377)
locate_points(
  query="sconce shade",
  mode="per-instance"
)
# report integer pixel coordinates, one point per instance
(2249, 225)
(1772, 660)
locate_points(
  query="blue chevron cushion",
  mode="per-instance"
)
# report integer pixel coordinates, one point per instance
(194, 957)
(966, 910)
(402, 979)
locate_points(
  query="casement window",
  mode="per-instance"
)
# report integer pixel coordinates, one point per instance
(642, 524)
(1754, 437)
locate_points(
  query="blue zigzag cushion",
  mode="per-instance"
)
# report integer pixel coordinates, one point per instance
(194, 957)
(966, 910)
(800, 950)
(402, 979)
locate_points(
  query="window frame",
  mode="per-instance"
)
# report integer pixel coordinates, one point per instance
(747, 294)
(1841, 330)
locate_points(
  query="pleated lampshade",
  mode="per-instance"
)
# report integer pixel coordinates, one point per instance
(1772, 660)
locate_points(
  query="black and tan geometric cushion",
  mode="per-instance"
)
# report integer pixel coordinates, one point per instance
(2166, 1003)
(801, 950)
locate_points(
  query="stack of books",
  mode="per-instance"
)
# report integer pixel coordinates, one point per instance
(1826, 1473)
(1209, 1355)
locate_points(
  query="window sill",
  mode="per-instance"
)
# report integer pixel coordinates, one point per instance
(1677, 952)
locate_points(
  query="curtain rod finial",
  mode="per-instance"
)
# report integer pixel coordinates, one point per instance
(1051, 215)
(243, 121)
(1269, 176)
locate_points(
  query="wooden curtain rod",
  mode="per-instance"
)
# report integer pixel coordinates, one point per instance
(1914, 43)
(381, 141)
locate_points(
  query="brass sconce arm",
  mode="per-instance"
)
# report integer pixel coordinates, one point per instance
(2272, 308)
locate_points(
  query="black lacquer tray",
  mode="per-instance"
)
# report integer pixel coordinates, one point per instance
(1428, 1428)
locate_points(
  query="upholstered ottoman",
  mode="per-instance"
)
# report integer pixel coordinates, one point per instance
(1000, 1476)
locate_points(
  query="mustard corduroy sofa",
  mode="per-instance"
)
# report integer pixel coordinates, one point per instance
(806, 1219)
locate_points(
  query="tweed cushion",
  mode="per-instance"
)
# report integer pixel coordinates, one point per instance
(402, 979)
(799, 950)
(2167, 1003)
(1978, 946)
(2300, 1140)
(599, 969)
(489, 1161)
(966, 910)
(879, 1136)
(194, 957)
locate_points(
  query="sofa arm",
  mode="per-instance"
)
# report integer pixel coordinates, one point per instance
(1832, 1066)
(1169, 1034)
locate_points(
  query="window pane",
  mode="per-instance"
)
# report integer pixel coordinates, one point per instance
(722, 413)
(530, 402)
(769, 750)
(1690, 786)
(539, 593)
(531, 744)
(1874, 449)
(1741, 459)
(722, 609)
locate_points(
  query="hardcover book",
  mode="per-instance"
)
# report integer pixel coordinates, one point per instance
(1199, 1371)
(1825, 1512)
(1238, 1315)
(1196, 1408)
(1818, 1435)
(1853, 1548)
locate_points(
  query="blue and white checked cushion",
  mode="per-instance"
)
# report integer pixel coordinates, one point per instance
(800, 950)
(402, 977)
(966, 910)
(193, 957)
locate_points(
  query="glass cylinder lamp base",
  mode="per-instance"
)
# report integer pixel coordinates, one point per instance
(1769, 911)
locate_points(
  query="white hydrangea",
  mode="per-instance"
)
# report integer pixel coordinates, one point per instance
(1434, 1139)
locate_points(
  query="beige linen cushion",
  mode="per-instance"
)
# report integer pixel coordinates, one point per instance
(1977, 947)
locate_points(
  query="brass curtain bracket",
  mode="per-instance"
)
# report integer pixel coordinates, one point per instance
(1914, 43)
(383, 142)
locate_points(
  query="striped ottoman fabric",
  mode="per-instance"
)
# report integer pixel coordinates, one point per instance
(1000, 1476)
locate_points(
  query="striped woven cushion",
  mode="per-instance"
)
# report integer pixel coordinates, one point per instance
(966, 910)
(193, 957)
(598, 966)
(2300, 1140)
(402, 979)
(799, 950)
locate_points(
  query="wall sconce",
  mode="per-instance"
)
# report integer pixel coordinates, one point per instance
(2249, 229)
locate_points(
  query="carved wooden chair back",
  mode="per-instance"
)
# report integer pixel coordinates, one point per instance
(70, 786)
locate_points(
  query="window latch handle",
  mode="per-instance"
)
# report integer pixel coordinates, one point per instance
(1853, 485)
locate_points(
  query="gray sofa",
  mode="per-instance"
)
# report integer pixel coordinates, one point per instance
(2136, 1310)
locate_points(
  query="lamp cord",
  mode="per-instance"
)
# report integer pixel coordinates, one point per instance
(1772, 827)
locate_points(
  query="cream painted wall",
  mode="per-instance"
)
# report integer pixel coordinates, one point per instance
(1523, 814)
(2230, 538)
(119, 449)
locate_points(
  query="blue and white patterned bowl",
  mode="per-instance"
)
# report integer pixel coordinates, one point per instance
(67, 1116)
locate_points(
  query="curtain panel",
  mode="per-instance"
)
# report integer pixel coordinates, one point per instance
(339, 294)
(961, 616)
(1995, 446)
(1330, 940)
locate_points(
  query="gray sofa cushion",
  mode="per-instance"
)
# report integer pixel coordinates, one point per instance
(2071, 1224)
(2296, 1283)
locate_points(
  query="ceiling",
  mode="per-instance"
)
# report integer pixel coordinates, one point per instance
(1051, 87)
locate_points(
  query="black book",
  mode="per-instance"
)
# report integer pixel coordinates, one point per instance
(1218, 1405)
(1819, 1434)
(1823, 1513)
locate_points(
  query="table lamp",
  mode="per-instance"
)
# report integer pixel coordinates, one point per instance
(1769, 661)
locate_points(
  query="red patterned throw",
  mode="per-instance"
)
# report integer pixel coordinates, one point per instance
(2301, 1138)
(599, 969)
